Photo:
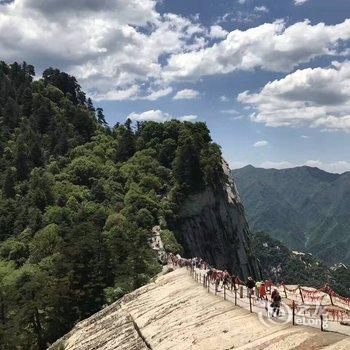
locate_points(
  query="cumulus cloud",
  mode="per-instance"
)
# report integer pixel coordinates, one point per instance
(217, 32)
(151, 115)
(260, 143)
(186, 94)
(261, 9)
(300, 2)
(189, 118)
(286, 48)
(110, 45)
(116, 46)
(131, 93)
(158, 116)
(155, 95)
(315, 97)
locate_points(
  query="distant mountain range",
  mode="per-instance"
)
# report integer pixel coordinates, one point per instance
(306, 208)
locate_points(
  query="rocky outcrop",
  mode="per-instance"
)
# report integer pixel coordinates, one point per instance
(213, 226)
(177, 313)
(156, 244)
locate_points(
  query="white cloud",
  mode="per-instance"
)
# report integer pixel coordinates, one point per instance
(242, 1)
(318, 97)
(116, 46)
(189, 118)
(132, 93)
(158, 116)
(223, 98)
(285, 48)
(276, 165)
(217, 32)
(300, 2)
(186, 94)
(118, 94)
(261, 9)
(339, 167)
(151, 115)
(109, 45)
(155, 95)
(260, 143)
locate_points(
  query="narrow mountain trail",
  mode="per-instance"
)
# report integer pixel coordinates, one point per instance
(177, 313)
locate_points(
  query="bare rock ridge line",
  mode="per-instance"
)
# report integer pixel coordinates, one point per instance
(176, 313)
(214, 227)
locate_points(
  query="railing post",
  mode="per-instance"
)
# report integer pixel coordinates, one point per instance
(224, 291)
(321, 317)
(285, 291)
(250, 302)
(301, 294)
(235, 294)
(330, 296)
(216, 288)
(208, 282)
(293, 307)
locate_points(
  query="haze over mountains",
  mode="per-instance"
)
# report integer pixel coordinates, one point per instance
(306, 208)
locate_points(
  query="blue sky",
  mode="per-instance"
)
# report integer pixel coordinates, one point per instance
(270, 78)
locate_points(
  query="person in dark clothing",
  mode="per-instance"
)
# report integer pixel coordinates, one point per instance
(250, 286)
(274, 292)
(276, 303)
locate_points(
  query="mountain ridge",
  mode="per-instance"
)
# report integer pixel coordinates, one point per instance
(304, 207)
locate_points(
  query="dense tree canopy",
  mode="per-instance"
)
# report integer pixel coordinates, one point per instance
(78, 201)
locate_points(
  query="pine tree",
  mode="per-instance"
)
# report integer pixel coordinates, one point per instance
(100, 117)
(9, 184)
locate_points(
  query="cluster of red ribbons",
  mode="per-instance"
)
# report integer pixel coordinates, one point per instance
(338, 315)
(336, 298)
(291, 290)
(314, 296)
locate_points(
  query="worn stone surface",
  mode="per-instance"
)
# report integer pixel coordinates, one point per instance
(213, 226)
(176, 313)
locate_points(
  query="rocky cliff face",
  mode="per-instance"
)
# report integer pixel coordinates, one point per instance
(213, 226)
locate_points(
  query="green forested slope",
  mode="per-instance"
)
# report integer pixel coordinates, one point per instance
(280, 264)
(305, 208)
(78, 201)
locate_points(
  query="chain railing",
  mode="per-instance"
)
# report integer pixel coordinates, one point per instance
(323, 309)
